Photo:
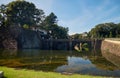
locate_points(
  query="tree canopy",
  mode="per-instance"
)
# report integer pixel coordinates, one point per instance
(22, 14)
(106, 30)
(2, 14)
(51, 19)
(56, 31)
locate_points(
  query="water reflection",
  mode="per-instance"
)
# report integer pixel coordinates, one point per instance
(85, 66)
(75, 64)
(112, 58)
(62, 61)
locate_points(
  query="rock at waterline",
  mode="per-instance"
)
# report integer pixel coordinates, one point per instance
(1, 74)
(10, 43)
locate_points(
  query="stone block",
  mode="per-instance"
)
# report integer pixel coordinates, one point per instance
(1, 74)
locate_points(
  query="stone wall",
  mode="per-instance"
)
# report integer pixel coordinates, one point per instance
(111, 46)
(10, 43)
(96, 44)
(62, 44)
(55, 44)
(29, 39)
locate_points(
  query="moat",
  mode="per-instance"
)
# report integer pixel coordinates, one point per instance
(91, 63)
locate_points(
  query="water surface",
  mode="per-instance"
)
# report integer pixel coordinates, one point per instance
(91, 63)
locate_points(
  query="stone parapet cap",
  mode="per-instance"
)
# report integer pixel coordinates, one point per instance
(112, 41)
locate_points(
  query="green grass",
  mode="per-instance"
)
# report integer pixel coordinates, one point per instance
(13, 73)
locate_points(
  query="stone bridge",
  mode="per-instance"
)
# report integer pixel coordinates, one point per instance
(63, 44)
(28, 39)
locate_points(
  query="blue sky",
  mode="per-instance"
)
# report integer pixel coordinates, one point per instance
(80, 15)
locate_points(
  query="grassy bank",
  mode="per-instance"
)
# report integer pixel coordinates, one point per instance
(13, 73)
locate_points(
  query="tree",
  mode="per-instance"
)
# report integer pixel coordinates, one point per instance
(75, 36)
(104, 30)
(0, 20)
(61, 32)
(58, 32)
(110, 35)
(21, 12)
(51, 19)
(50, 24)
(2, 14)
(24, 14)
(118, 30)
(3, 28)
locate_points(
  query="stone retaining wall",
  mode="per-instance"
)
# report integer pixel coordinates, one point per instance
(63, 44)
(111, 46)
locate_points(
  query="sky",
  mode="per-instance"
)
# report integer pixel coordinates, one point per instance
(79, 15)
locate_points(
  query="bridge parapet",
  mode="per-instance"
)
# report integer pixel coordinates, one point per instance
(63, 44)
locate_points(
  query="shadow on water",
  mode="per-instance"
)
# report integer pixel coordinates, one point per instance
(92, 63)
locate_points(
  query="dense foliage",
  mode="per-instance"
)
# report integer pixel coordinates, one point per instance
(106, 30)
(76, 36)
(24, 14)
(56, 31)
